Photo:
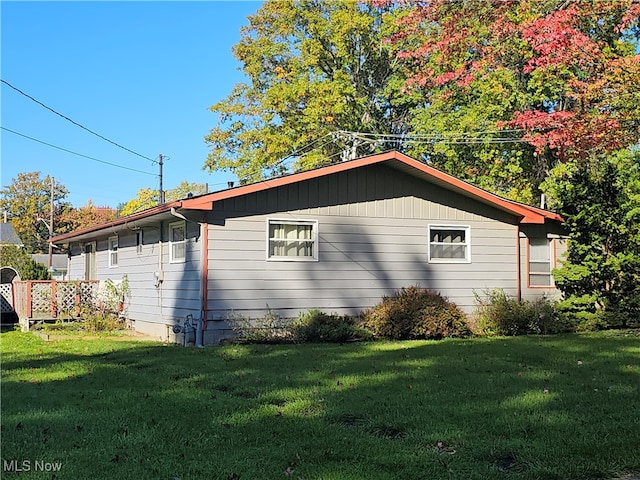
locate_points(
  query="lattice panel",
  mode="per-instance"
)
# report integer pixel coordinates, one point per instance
(41, 298)
(88, 294)
(66, 298)
(6, 290)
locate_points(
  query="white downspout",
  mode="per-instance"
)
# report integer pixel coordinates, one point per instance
(199, 326)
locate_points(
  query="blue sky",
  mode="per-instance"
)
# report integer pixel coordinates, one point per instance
(142, 74)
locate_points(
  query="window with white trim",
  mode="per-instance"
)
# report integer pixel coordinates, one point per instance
(449, 244)
(292, 240)
(113, 252)
(540, 262)
(177, 242)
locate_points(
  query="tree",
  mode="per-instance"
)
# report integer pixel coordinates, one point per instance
(26, 201)
(600, 202)
(564, 77)
(315, 68)
(148, 198)
(21, 261)
(86, 216)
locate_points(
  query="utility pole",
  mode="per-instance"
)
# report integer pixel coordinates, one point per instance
(51, 227)
(161, 190)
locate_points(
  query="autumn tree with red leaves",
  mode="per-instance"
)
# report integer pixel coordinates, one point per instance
(562, 77)
(86, 216)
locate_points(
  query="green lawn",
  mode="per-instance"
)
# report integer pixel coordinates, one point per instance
(561, 407)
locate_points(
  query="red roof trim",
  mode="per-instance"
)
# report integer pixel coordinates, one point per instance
(527, 213)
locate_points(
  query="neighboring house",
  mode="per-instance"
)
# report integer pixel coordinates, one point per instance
(337, 238)
(8, 274)
(8, 235)
(58, 268)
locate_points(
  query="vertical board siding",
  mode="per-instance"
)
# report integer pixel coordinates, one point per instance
(373, 240)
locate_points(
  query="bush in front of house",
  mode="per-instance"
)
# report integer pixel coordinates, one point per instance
(317, 326)
(268, 329)
(499, 314)
(586, 314)
(416, 313)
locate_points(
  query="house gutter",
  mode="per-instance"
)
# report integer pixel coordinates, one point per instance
(205, 270)
(122, 222)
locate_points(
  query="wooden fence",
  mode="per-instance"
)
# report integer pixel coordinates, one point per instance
(48, 299)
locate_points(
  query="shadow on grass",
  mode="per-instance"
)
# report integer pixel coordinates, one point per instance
(530, 407)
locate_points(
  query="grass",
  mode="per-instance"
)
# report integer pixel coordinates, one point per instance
(504, 408)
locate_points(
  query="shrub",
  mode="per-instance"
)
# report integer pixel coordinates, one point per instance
(414, 312)
(269, 329)
(316, 326)
(499, 314)
(102, 322)
(585, 313)
(92, 321)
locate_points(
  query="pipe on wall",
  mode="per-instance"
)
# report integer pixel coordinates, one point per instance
(205, 269)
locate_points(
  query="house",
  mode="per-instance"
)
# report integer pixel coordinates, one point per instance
(8, 235)
(58, 269)
(336, 238)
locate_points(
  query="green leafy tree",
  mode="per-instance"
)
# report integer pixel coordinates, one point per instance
(27, 200)
(148, 198)
(314, 68)
(563, 77)
(21, 261)
(600, 202)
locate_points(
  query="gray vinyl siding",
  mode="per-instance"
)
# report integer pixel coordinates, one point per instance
(76, 263)
(373, 239)
(178, 295)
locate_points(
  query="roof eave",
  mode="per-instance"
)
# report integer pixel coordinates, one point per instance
(118, 223)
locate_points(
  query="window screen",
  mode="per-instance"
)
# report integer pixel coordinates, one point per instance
(177, 240)
(540, 262)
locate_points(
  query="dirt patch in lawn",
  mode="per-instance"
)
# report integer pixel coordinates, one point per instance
(121, 336)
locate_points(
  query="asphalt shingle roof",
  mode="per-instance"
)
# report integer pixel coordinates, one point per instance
(8, 235)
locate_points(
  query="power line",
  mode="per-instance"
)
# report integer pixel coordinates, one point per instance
(75, 123)
(76, 153)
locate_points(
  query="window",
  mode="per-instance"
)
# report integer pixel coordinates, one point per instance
(540, 262)
(113, 251)
(292, 240)
(177, 242)
(449, 244)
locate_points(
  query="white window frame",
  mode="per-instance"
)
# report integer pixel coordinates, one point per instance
(551, 262)
(173, 243)
(314, 239)
(466, 243)
(113, 252)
